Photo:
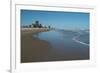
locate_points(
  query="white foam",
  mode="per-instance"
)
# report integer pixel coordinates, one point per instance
(74, 38)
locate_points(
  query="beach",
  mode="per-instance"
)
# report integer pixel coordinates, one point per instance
(42, 45)
(54, 36)
(33, 49)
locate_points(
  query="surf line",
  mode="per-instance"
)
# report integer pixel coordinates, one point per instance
(75, 39)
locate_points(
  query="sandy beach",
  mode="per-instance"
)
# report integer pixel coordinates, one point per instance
(54, 36)
(33, 49)
(52, 46)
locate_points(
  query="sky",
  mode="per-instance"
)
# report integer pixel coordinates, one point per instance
(60, 20)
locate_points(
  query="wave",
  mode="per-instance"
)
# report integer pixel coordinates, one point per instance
(76, 40)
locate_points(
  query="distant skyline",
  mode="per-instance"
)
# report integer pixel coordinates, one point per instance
(60, 20)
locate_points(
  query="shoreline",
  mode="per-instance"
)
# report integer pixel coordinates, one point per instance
(33, 49)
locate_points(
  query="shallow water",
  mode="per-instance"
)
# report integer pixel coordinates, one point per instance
(62, 43)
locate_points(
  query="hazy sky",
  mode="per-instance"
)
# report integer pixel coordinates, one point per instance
(61, 20)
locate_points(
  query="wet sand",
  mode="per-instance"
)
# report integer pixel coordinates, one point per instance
(33, 49)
